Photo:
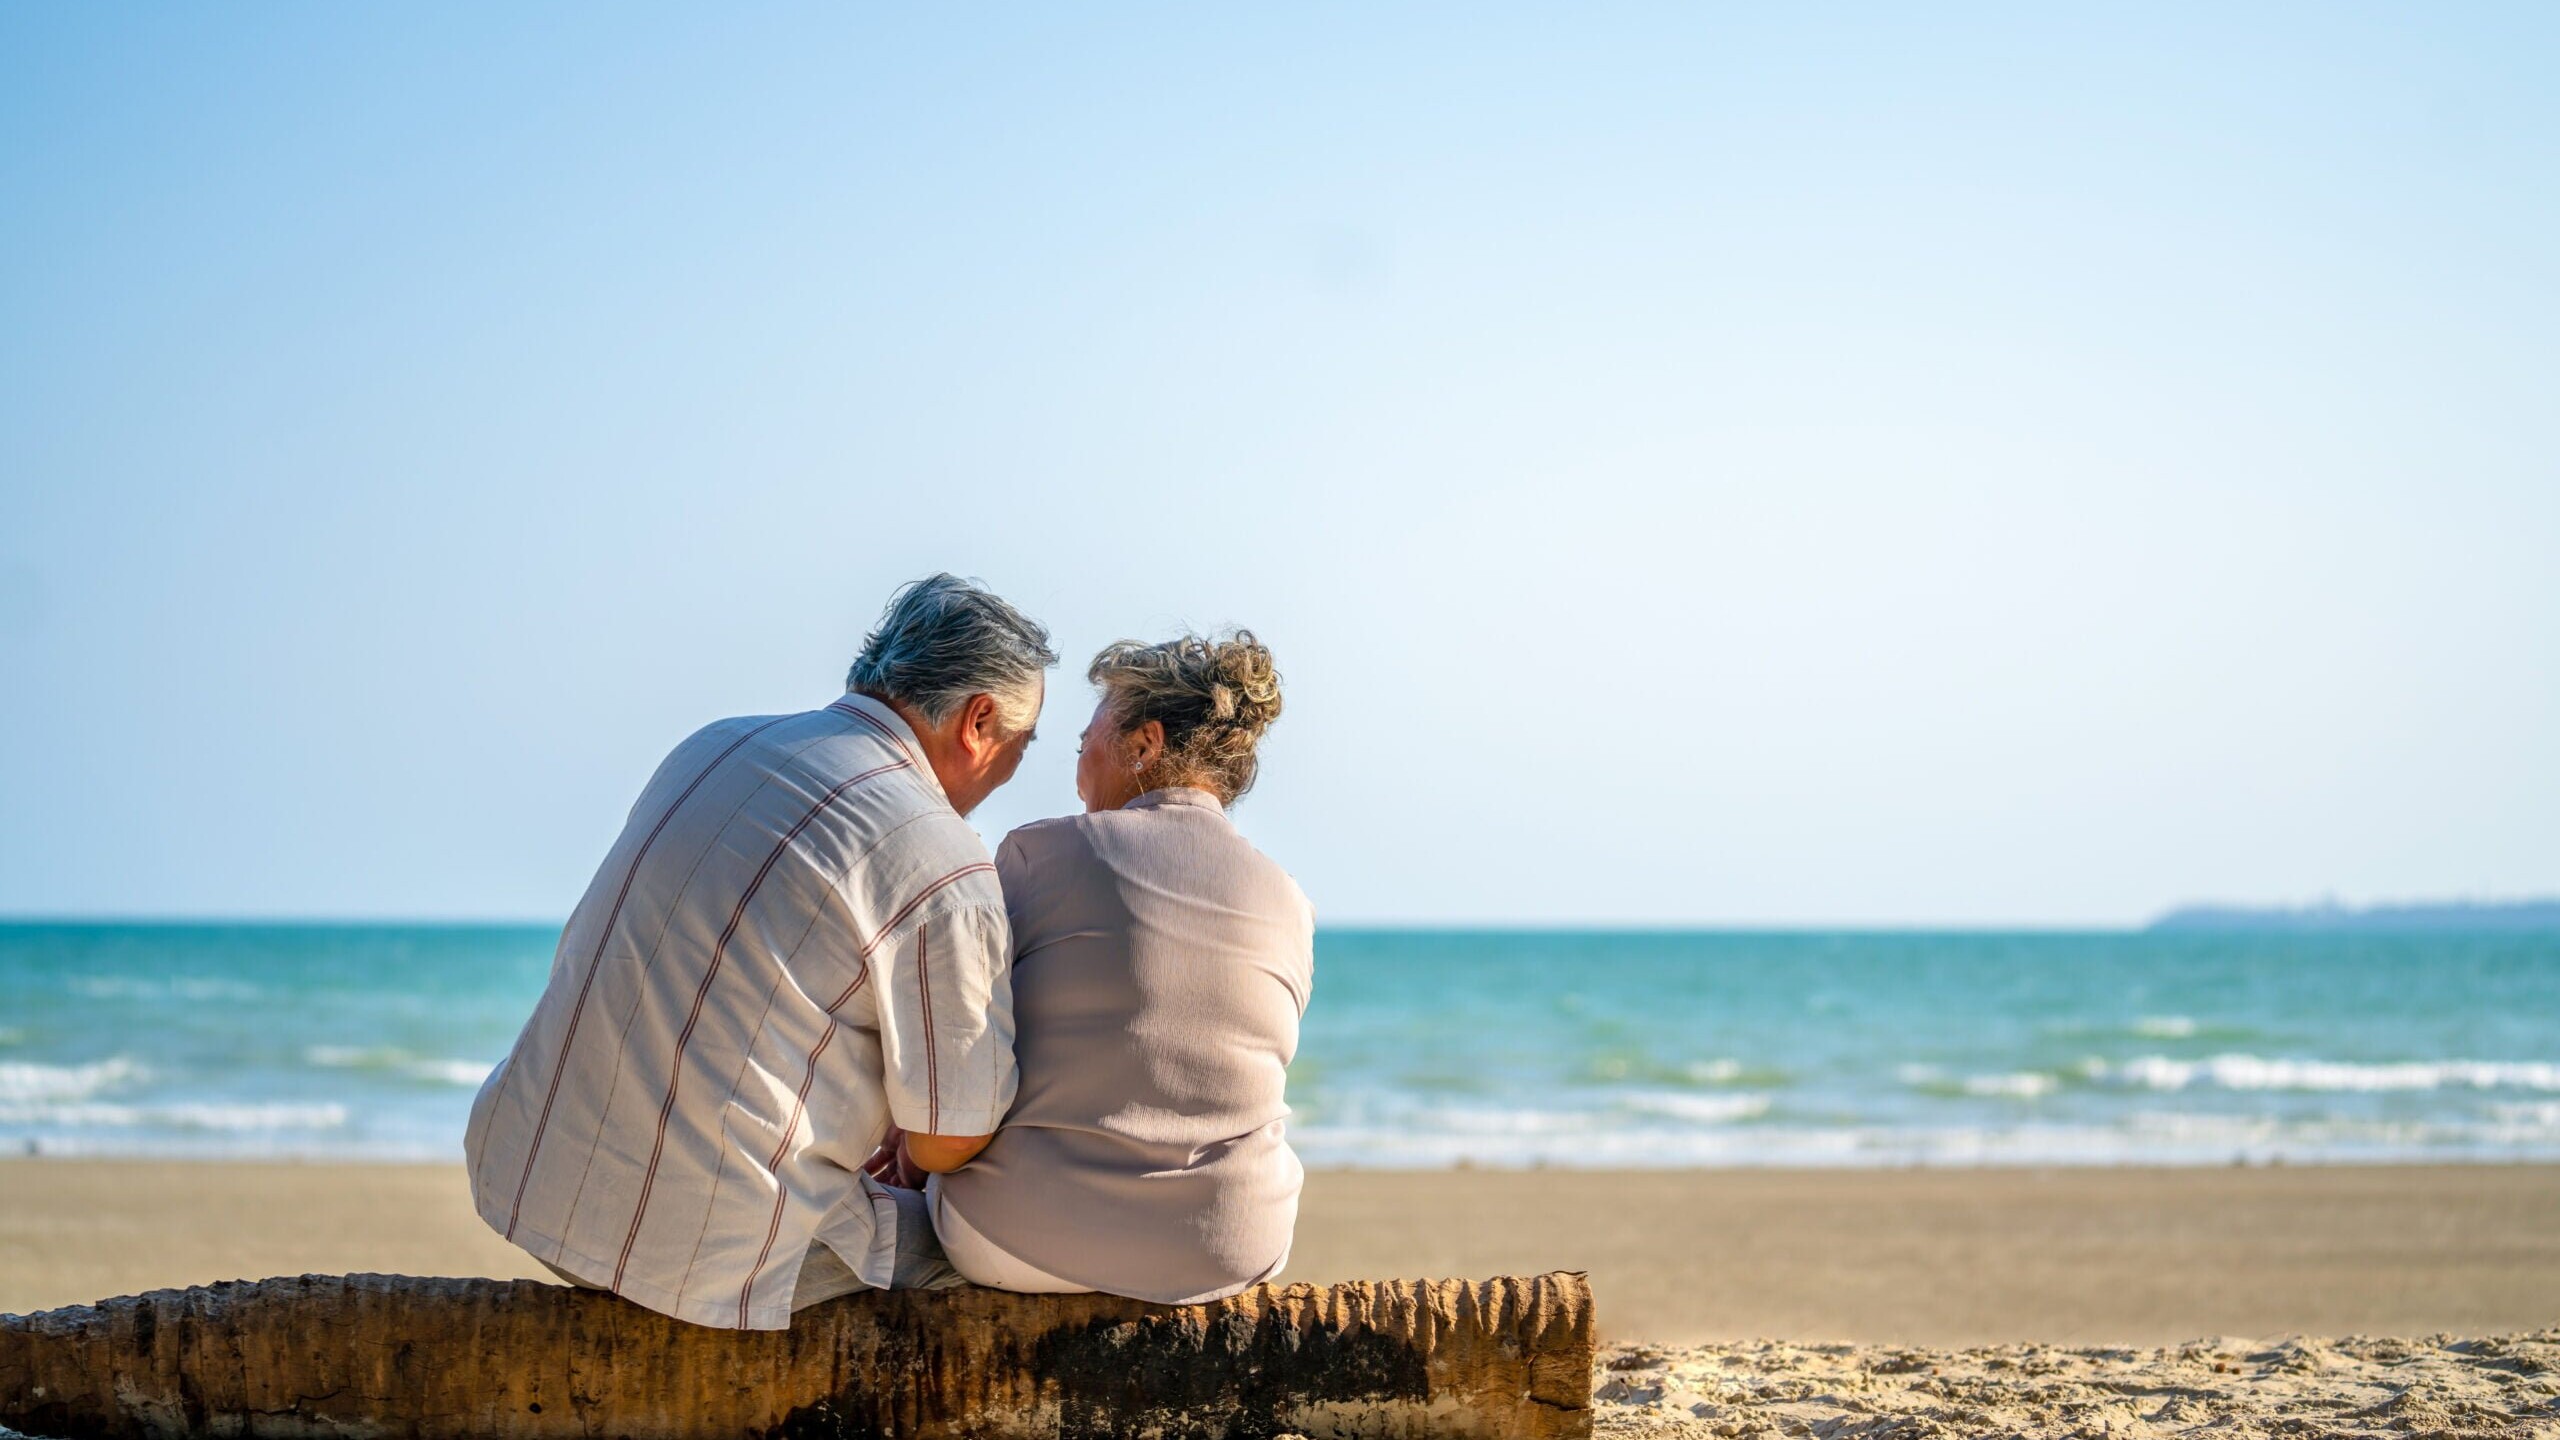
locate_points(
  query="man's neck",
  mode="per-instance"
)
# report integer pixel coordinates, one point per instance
(940, 751)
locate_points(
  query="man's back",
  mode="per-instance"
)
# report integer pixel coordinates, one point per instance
(794, 941)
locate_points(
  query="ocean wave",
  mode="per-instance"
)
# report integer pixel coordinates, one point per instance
(1725, 1070)
(186, 1115)
(2166, 1026)
(2157, 1138)
(1698, 1109)
(2018, 1085)
(2206, 1127)
(28, 1082)
(1625, 1067)
(1499, 1121)
(2533, 1112)
(2250, 1072)
(394, 1061)
(2005, 1085)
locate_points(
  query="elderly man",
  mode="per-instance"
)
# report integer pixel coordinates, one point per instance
(796, 950)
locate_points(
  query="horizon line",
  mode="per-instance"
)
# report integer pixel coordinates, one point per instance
(1451, 926)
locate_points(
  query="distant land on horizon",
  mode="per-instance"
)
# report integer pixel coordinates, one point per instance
(2428, 915)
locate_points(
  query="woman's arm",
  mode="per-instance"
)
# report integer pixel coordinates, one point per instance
(941, 1154)
(894, 1163)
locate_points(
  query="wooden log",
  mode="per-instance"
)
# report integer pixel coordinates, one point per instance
(356, 1356)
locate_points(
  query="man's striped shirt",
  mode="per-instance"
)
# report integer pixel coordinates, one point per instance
(795, 941)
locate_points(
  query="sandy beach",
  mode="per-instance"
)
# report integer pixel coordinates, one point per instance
(1914, 1305)
(1947, 1258)
(2360, 1388)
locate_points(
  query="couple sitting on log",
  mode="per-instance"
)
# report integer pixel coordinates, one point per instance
(801, 1037)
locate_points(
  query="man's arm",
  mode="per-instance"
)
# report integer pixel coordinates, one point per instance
(944, 998)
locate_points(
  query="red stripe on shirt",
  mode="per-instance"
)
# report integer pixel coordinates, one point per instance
(924, 1001)
(578, 1008)
(863, 955)
(702, 993)
(838, 1003)
(922, 896)
(847, 707)
(781, 1191)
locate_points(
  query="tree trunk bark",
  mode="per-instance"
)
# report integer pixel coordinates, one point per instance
(356, 1356)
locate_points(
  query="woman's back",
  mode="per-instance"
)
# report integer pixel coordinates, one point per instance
(1161, 967)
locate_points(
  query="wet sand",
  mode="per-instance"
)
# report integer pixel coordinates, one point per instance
(1943, 1258)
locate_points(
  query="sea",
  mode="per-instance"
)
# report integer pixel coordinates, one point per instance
(1437, 1049)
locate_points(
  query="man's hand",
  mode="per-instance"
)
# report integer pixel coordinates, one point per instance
(888, 1164)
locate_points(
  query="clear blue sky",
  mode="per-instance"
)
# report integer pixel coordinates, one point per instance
(1905, 464)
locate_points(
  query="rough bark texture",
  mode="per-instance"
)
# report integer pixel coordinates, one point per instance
(357, 1356)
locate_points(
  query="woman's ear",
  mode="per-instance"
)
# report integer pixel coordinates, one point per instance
(1146, 744)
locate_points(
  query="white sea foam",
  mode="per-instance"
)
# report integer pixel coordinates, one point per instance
(1506, 1122)
(396, 1061)
(1715, 1072)
(2012, 1085)
(2527, 1123)
(2165, 1027)
(27, 1082)
(2185, 1127)
(2021, 1085)
(2250, 1072)
(1698, 1109)
(251, 1117)
(196, 1115)
(2154, 1138)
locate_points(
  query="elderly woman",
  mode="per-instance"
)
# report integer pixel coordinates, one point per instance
(1161, 964)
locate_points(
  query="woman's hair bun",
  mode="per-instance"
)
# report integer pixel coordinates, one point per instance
(1214, 695)
(1246, 689)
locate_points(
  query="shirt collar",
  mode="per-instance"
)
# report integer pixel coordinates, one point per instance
(1177, 795)
(894, 728)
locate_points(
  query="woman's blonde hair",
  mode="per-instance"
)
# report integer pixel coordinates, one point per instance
(1213, 695)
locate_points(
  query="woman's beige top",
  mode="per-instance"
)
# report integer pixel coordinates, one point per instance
(1161, 964)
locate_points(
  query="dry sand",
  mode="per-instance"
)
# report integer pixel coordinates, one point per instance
(2059, 1257)
(2435, 1388)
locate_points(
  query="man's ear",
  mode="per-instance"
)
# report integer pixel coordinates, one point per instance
(981, 725)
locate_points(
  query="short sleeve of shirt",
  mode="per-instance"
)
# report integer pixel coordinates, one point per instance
(945, 1006)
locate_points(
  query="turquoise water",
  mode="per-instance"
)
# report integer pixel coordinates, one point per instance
(1435, 1049)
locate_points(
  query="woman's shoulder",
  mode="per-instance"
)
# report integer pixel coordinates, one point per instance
(1044, 841)
(1151, 837)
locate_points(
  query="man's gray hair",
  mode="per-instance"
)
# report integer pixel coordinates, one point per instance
(944, 639)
